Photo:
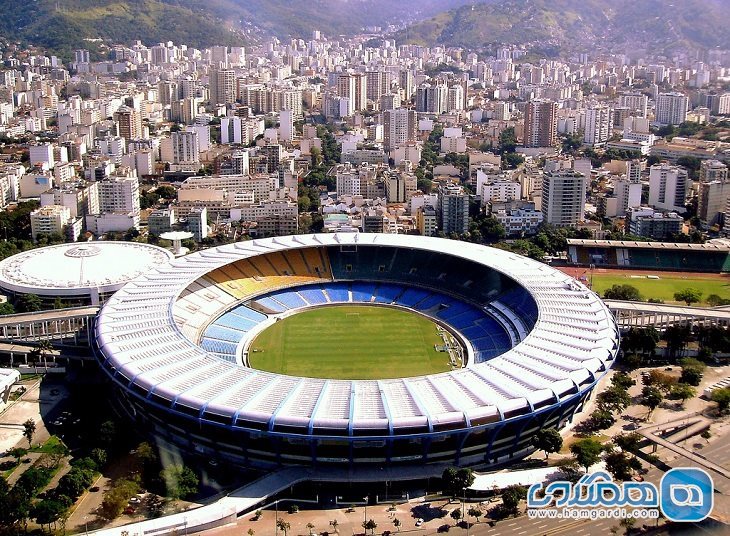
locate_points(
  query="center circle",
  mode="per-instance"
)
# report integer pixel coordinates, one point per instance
(354, 342)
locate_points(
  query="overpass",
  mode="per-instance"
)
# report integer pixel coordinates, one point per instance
(61, 326)
(631, 314)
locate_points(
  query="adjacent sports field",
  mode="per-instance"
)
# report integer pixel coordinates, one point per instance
(346, 342)
(662, 288)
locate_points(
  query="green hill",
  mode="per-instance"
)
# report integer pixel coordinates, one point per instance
(561, 25)
(62, 25)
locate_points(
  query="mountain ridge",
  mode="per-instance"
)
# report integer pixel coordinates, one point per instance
(562, 24)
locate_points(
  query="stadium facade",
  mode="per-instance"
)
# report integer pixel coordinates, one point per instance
(86, 273)
(173, 342)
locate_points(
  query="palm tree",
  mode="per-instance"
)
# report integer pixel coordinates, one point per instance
(310, 526)
(334, 524)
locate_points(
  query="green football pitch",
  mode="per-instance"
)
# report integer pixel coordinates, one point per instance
(359, 342)
(665, 287)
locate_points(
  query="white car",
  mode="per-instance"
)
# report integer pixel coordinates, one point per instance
(419, 522)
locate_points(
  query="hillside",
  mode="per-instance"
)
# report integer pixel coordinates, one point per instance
(553, 26)
(64, 29)
(62, 25)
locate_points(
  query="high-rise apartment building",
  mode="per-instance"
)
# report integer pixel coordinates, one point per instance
(671, 108)
(713, 170)
(637, 103)
(129, 123)
(598, 125)
(353, 87)
(668, 187)
(541, 123)
(432, 99)
(400, 126)
(563, 197)
(453, 209)
(222, 86)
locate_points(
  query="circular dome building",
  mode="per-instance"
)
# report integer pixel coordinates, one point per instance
(187, 349)
(78, 273)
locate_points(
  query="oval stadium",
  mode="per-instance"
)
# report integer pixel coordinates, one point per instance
(347, 350)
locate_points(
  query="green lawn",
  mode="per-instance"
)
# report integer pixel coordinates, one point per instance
(664, 287)
(350, 343)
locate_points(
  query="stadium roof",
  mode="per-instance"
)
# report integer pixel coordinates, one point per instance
(571, 345)
(73, 269)
(666, 246)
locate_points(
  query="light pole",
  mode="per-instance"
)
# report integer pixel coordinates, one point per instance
(276, 517)
(86, 524)
(463, 511)
(366, 499)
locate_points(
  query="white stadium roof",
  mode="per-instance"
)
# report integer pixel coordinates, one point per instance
(79, 268)
(572, 343)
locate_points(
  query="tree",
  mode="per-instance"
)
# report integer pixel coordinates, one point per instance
(713, 300)
(397, 523)
(587, 451)
(283, 525)
(683, 392)
(455, 480)
(456, 514)
(334, 523)
(600, 419)
(370, 525)
(688, 295)
(29, 427)
(180, 481)
(615, 398)
(17, 453)
(622, 380)
(511, 497)
(651, 397)
(620, 465)
(116, 497)
(622, 292)
(29, 303)
(722, 398)
(310, 526)
(250, 532)
(547, 440)
(692, 371)
(475, 512)
(47, 511)
(99, 456)
(628, 442)
(6, 308)
(107, 433)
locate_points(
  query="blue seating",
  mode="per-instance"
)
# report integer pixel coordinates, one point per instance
(432, 301)
(412, 296)
(290, 299)
(220, 347)
(247, 313)
(362, 292)
(271, 304)
(338, 292)
(236, 322)
(313, 295)
(219, 332)
(386, 293)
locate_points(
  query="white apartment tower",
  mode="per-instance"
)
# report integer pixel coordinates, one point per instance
(286, 125)
(400, 126)
(563, 197)
(671, 108)
(541, 123)
(222, 86)
(668, 187)
(598, 125)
